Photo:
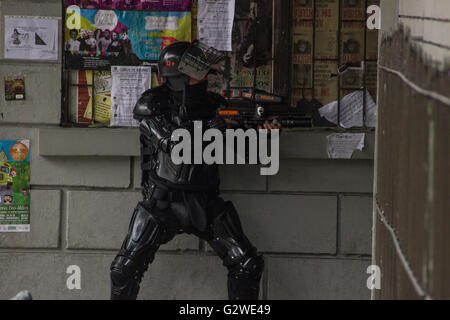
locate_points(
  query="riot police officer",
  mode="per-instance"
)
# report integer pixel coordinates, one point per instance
(181, 198)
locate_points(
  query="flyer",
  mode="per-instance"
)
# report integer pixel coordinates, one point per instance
(31, 38)
(14, 186)
(14, 88)
(215, 23)
(148, 5)
(98, 39)
(128, 84)
(342, 145)
(102, 96)
(351, 110)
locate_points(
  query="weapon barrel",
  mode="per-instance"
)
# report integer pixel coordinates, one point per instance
(297, 122)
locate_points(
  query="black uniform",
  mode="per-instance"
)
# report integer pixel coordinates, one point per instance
(181, 198)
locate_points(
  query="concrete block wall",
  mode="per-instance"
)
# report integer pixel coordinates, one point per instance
(429, 23)
(312, 221)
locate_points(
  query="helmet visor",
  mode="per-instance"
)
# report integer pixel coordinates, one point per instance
(199, 59)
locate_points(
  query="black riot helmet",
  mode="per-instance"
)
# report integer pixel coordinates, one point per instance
(169, 61)
(182, 60)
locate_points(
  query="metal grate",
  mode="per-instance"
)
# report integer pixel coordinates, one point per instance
(342, 17)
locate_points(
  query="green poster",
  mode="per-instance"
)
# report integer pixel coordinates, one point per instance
(14, 186)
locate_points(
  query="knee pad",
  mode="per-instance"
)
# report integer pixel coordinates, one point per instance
(249, 266)
(124, 278)
(122, 270)
(244, 278)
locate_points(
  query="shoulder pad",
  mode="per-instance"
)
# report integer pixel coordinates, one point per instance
(217, 99)
(150, 103)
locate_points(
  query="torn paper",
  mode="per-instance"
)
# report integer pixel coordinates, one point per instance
(342, 145)
(351, 113)
(215, 23)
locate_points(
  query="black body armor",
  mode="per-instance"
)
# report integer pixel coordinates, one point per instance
(161, 111)
(181, 198)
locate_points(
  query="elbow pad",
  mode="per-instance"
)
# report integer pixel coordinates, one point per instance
(157, 132)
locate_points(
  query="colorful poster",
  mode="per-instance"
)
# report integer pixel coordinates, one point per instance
(102, 96)
(97, 39)
(31, 38)
(15, 186)
(148, 5)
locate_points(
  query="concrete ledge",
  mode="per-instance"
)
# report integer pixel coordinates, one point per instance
(125, 142)
(88, 142)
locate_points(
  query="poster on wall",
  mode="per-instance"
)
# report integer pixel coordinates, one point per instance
(31, 38)
(246, 57)
(100, 99)
(148, 5)
(97, 39)
(14, 185)
(215, 23)
(128, 84)
(14, 87)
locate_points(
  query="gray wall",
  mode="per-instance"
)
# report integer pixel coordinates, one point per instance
(411, 242)
(312, 221)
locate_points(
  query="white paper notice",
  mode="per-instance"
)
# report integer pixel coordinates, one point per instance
(342, 145)
(31, 38)
(215, 23)
(351, 114)
(128, 84)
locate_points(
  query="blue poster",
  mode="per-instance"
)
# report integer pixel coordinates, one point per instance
(14, 186)
(97, 39)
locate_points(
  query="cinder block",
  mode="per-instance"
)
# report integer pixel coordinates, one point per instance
(356, 225)
(45, 8)
(100, 220)
(242, 177)
(232, 177)
(45, 218)
(288, 223)
(437, 32)
(317, 278)
(323, 176)
(48, 8)
(413, 8)
(169, 277)
(438, 9)
(187, 277)
(113, 172)
(416, 27)
(313, 145)
(43, 94)
(44, 275)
